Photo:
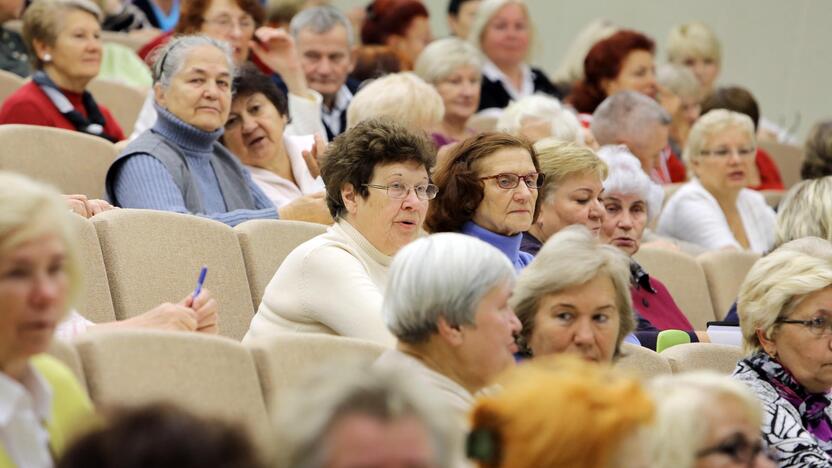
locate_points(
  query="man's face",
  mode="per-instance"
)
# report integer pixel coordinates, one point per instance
(326, 59)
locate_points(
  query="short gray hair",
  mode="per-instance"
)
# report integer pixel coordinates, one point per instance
(321, 20)
(441, 275)
(711, 124)
(626, 177)
(403, 97)
(169, 60)
(565, 125)
(626, 115)
(443, 57)
(805, 211)
(679, 80)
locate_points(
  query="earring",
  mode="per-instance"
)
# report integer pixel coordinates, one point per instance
(47, 57)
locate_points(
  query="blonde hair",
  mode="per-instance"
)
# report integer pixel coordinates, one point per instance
(403, 97)
(693, 39)
(680, 429)
(43, 19)
(778, 282)
(443, 57)
(806, 210)
(560, 160)
(680, 81)
(559, 412)
(712, 123)
(30, 211)
(571, 68)
(563, 123)
(486, 11)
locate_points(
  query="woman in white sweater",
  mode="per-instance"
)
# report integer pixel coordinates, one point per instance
(377, 190)
(715, 210)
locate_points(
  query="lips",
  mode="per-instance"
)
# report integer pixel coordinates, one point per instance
(736, 175)
(255, 141)
(38, 326)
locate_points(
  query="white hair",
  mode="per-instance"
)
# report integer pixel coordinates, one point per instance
(321, 20)
(626, 177)
(443, 57)
(403, 97)
(565, 125)
(679, 80)
(441, 275)
(626, 115)
(170, 59)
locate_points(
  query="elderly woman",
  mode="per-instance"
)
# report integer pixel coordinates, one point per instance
(378, 189)
(502, 30)
(682, 83)
(447, 305)
(570, 194)
(488, 189)
(705, 420)
(254, 132)
(452, 66)
(585, 308)
(539, 116)
(694, 45)
(64, 39)
(562, 413)
(403, 25)
(401, 97)
(715, 210)
(818, 161)
(784, 316)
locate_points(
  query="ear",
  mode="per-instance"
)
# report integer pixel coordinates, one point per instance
(352, 58)
(450, 333)
(768, 345)
(159, 94)
(350, 197)
(41, 48)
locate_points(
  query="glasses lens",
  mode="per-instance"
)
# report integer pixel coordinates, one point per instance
(508, 181)
(427, 192)
(534, 181)
(396, 191)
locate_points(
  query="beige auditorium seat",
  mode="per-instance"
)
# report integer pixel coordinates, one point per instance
(211, 375)
(684, 279)
(266, 243)
(641, 362)
(284, 359)
(773, 197)
(155, 256)
(788, 158)
(67, 354)
(72, 161)
(9, 82)
(703, 356)
(124, 101)
(725, 271)
(94, 302)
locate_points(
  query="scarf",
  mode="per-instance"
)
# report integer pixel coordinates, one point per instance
(94, 125)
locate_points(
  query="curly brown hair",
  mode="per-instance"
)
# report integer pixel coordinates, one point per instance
(460, 188)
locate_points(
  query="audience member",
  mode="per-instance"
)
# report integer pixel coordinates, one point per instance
(452, 66)
(377, 186)
(325, 43)
(715, 210)
(162, 14)
(14, 57)
(447, 305)
(461, 14)
(682, 83)
(764, 173)
(571, 68)
(254, 132)
(488, 188)
(818, 159)
(64, 38)
(570, 194)
(126, 17)
(351, 415)
(375, 61)
(402, 97)
(574, 298)
(403, 25)
(539, 116)
(563, 413)
(706, 420)
(694, 45)
(783, 308)
(502, 31)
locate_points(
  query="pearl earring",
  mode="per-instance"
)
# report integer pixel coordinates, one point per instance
(47, 57)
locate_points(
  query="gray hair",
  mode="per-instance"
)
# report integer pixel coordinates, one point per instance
(403, 97)
(321, 20)
(805, 211)
(443, 57)
(680, 80)
(305, 413)
(169, 60)
(441, 275)
(626, 177)
(565, 125)
(626, 115)
(711, 124)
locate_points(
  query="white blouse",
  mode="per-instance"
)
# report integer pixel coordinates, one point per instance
(281, 191)
(25, 410)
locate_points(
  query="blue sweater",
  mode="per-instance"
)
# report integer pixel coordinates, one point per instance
(144, 182)
(509, 245)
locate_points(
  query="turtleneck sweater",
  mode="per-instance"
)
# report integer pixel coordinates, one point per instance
(144, 182)
(509, 245)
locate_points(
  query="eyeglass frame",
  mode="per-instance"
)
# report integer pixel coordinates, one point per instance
(232, 22)
(408, 188)
(750, 151)
(733, 452)
(541, 177)
(826, 331)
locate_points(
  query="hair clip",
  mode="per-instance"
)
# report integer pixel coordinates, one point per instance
(483, 445)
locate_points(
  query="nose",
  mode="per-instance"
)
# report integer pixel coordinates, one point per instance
(583, 333)
(248, 123)
(411, 200)
(324, 66)
(625, 221)
(596, 210)
(44, 291)
(522, 192)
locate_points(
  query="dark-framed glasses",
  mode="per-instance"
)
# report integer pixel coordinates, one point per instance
(509, 181)
(739, 449)
(398, 191)
(818, 326)
(724, 151)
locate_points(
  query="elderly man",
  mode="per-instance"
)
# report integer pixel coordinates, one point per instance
(324, 38)
(640, 123)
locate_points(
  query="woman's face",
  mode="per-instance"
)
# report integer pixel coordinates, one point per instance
(583, 320)
(506, 37)
(77, 51)
(200, 93)
(226, 21)
(460, 92)
(725, 161)
(415, 39)
(638, 73)
(625, 220)
(806, 355)
(254, 130)
(577, 200)
(705, 69)
(506, 211)
(731, 438)
(388, 223)
(33, 297)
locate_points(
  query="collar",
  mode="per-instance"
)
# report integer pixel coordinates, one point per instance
(13, 393)
(493, 73)
(183, 134)
(640, 278)
(342, 100)
(509, 245)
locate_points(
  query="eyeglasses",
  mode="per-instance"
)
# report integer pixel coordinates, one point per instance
(509, 181)
(739, 449)
(399, 191)
(227, 23)
(724, 152)
(818, 326)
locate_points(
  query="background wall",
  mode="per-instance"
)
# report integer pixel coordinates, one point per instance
(780, 50)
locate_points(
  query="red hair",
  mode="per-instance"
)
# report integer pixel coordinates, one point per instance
(387, 18)
(603, 62)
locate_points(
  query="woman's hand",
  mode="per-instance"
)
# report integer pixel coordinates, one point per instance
(167, 316)
(314, 156)
(206, 308)
(85, 207)
(276, 48)
(309, 208)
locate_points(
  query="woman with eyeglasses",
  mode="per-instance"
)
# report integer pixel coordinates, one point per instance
(785, 309)
(706, 420)
(377, 189)
(715, 210)
(488, 188)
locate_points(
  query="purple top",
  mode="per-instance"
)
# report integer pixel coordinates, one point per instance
(509, 245)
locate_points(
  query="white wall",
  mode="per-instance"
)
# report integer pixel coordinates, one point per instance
(781, 50)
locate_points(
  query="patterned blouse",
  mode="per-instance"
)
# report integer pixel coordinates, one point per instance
(797, 425)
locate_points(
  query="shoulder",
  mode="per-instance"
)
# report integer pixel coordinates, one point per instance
(543, 84)
(26, 105)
